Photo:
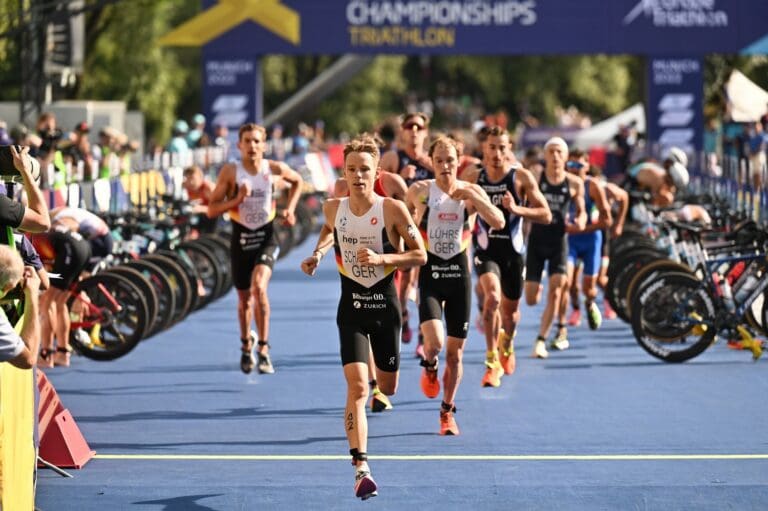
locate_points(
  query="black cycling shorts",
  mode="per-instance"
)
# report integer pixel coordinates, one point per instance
(249, 248)
(370, 317)
(72, 255)
(446, 284)
(509, 270)
(553, 255)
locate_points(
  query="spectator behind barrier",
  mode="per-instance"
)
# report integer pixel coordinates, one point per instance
(19, 349)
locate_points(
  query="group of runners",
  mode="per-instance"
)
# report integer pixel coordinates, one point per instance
(403, 219)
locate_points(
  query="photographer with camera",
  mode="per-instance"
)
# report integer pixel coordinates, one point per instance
(19, 349)
(34, 216)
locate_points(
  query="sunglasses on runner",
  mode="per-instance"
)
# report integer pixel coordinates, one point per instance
(574, 165)
(412, 125)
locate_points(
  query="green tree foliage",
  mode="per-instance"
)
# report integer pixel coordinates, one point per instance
(10, 64)
(124, 62)
(598, 85)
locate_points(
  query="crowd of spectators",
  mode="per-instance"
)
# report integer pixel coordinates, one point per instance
(73, 153)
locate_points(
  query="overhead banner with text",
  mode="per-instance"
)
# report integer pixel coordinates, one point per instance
(481, 27)
(675, 103)
(231, 89)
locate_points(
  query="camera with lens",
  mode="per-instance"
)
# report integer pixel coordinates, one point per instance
(50, 139)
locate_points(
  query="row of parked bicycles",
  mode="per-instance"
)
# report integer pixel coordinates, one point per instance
(159, 273)
(682, 287)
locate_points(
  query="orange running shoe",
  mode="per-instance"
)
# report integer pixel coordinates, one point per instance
(430, 384)
(493, 373)
(508, 360)
(448, 423)
(575, 318)
(608, 313)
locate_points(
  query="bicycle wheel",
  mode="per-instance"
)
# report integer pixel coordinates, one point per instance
(672, 317)
(619, 273)
(166, 297)
(648, 273)
(221, 251)
(148, 291)
(109, 316)
(179, 283)
(190, 273)
(205, 263)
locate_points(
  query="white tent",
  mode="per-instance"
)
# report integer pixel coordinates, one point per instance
(602, 133)
(746, 100)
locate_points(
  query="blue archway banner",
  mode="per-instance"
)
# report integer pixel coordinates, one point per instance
(482, 27)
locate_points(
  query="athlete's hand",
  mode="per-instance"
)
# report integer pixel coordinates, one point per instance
(616, 230)
(571, 228)
(244, 190)
(508, 201)
(466, 193)
(310, 264)
(289, 218)
(408, 172)
(368, 256)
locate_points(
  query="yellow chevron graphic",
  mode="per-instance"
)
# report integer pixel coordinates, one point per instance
(270, 14)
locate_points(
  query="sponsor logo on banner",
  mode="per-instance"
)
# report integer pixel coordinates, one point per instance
(679, 13)
(375, 23)
(226, 81)
(675, 99)
(229, 109)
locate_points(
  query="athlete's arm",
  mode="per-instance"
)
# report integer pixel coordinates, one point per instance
(394, 185)
(399, 226)
(389, 162)
(537, 209)
(576, 186)
(597, 194)
(618, 195)
(293, 178)
(324, 240)
(220, 198)
(481, 203)
(414, 199)
(470, 174)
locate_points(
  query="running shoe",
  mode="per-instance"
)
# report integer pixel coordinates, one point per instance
(380, 402)
(430, 384)
(540, 349)
(265, 364)
(560, 342)
(365, 486)
(493, 373)
(247, 360)
(448, 424)
(608, 312)
(507, 356)
(575, 318)
(593, 316)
